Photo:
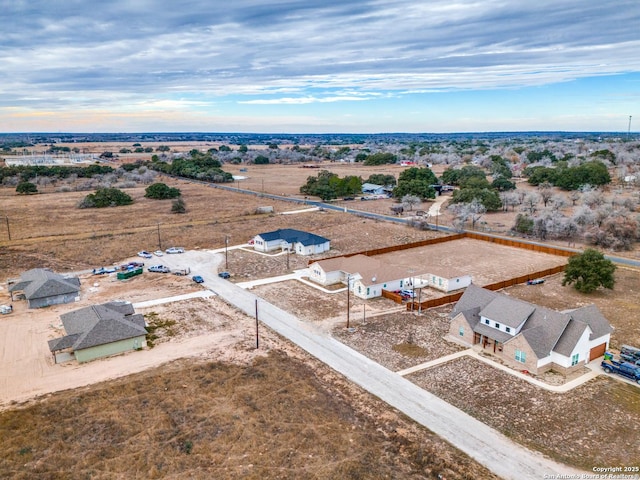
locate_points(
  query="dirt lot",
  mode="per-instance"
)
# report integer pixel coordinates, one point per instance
(593, 425)
(485, 262)
(569, 427)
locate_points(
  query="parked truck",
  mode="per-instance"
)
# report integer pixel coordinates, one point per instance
(630, 354)
(625, 369)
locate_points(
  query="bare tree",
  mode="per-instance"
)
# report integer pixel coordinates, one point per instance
(545, 189)
(558, 201)
(574, 196)
(530, 203)
(410, 201)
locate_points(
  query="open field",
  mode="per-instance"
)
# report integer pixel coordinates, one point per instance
(275, 417)
(47, 230)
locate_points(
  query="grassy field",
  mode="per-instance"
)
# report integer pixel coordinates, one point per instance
(278, 417)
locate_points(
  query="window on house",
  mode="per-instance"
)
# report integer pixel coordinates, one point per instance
(359, 289)
(575, 359)
(384, 286)
(497, 325)
(367, 291)
(521, 356)
(486, 320)
(440, 281)
(461, 331)
(508, 329)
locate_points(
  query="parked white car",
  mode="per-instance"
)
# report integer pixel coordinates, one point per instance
(158, 253)
(145, 254)
(159, 269)
(175, 250)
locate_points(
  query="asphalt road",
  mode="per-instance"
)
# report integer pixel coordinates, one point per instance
(487, 446)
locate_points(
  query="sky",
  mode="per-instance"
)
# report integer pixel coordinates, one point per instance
(319, 66)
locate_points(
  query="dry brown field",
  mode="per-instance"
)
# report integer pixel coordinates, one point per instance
(277, 416)
(176, 414)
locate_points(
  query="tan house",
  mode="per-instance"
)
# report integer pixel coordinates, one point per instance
(527, 336)
(368, 275)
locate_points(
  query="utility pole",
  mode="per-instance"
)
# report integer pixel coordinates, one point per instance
(348, 298)
(257, 339)
(8, 230)
(226, 252)
(159, 241)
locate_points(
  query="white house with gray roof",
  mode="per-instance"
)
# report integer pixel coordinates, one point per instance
(527, 336)
(99, 331)
(41, 287)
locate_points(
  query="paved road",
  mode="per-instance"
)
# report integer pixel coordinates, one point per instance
(489, 447)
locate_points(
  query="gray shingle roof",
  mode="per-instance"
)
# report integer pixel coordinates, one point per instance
(473, 297)
(570, 337)
(545, 330)
(508, 311)
(592, 316)
(42, 283)
(294, 236)
(99, 325)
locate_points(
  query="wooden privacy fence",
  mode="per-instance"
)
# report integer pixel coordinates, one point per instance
(507, 242)
(396, 297)
(436, 302)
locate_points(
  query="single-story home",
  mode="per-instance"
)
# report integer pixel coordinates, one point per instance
(443, 279)
(100, 331)
(368, 275)
(527, 336)
(42, 287)
(297, 241)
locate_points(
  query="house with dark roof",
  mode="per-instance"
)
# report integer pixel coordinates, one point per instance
(41, 287)
(527, 336)
(296, 241)
(100, 331)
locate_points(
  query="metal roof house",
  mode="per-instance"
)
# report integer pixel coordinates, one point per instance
(527, 336)
(99, 331)
(42, 287)
(297, 241)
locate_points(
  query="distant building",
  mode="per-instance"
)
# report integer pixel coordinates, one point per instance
(100, 331)
(297, 241)
(41, 287)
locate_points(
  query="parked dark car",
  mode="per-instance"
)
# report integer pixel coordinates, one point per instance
(197, 279)
(224, 275)
(536, 281)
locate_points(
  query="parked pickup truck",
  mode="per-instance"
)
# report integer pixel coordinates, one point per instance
(630, 354)
(625, 369)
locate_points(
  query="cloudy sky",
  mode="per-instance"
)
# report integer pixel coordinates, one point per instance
(319, 65)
